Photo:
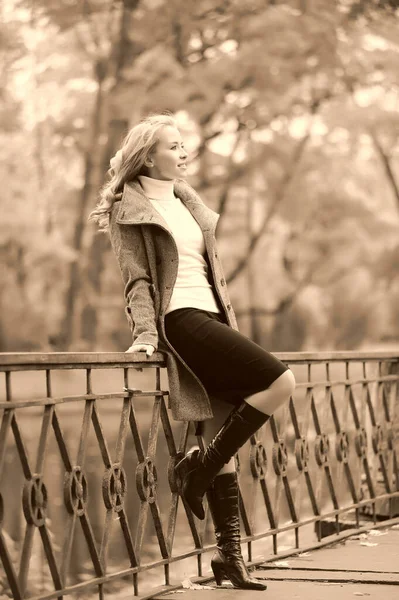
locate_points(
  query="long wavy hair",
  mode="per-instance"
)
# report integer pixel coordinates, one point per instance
(128, 163)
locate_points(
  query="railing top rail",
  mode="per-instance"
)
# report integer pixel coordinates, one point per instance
(80, 358)
(158, 358)
(339, 355)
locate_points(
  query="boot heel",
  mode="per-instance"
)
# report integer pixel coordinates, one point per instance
(228, 560)
(183, 468)
(218, 572)
(185, 484)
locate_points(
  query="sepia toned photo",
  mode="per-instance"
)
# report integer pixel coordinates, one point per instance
(199, 325)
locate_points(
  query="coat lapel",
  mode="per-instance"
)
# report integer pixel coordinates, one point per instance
(206, 217)
(136, 208)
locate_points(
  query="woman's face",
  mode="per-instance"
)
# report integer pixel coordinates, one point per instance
(169, 160)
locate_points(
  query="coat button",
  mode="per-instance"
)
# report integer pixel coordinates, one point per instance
(216, 254)
(222, 282)
(228, 307)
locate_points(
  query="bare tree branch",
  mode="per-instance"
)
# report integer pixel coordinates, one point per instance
(203, 144)
(386, 162)
(83, 45)
(285, 302)
(178, 42)
(129, 6)
(88, 14)
(288, 300)
(227, 186)
(289, 176)
(94, 35)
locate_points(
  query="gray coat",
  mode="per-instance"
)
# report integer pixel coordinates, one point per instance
(148, 260)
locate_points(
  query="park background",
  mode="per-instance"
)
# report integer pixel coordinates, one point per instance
(290, 112)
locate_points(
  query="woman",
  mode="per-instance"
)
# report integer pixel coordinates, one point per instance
(177, 302)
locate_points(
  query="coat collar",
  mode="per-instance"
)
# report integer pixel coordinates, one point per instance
(136, 209)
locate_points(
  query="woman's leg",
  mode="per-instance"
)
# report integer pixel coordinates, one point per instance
(230, 365)
(209, 428)
(270, 399)
(232, 368)
(228, 562)
(223, 501)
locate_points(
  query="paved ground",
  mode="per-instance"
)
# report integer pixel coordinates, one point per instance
(365, 565)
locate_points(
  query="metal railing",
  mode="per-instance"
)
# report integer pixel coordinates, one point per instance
(88, 498)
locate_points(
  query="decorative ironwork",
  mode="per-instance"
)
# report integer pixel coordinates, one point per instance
(342, 446)
(346, 402)
(173, 460)
(146, 481)
(258, 459)
(302, 453)
(280, 458)
(378, 439)
(34, 501)
(322, 449)
(361, 442)
(114, 488)
(75, 491)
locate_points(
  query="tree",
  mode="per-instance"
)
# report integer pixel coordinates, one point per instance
(289, 100)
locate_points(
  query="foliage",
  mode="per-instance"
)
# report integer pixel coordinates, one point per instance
(289, 110)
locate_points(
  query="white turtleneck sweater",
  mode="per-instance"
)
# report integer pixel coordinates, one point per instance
(192, 288)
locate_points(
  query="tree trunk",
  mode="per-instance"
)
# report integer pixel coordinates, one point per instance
(253, 320)
(114, 129)
(67, 332)
(97, 250)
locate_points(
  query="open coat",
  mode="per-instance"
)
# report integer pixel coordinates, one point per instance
(148, 260)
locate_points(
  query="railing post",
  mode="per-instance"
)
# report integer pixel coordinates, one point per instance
(395, 425)
(395, 371)
(389, 507)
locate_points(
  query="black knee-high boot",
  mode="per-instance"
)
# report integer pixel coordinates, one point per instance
(197, 470)
(228, 561)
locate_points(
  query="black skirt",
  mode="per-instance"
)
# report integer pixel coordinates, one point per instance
(229, 365)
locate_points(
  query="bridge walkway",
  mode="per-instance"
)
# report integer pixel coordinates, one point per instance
(363, 565)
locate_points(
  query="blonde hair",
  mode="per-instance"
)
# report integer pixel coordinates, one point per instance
(128, 163)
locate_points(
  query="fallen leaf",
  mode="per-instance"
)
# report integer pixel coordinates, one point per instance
(369, 544)
(281, 563)
(187, 584)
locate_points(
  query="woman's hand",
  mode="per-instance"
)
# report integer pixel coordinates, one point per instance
(147, 348)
